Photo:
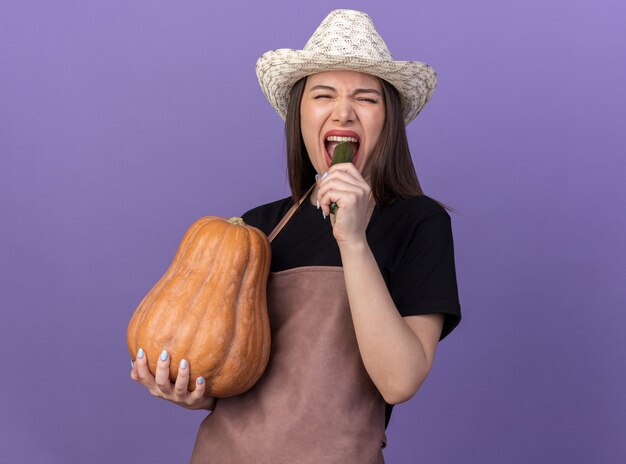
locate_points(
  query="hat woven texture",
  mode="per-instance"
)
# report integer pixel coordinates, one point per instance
(345, 40)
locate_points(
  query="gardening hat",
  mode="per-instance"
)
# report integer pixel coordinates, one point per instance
(345, 40)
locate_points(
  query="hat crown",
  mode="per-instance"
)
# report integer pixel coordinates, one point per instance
(349, 33)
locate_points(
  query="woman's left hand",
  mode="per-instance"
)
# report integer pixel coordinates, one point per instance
(345, 186)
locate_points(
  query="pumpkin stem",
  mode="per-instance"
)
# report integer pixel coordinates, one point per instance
(236, 221)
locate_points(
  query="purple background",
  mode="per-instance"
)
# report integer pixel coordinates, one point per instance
(121, 122)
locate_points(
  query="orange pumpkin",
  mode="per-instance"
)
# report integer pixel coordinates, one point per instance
(210, 308)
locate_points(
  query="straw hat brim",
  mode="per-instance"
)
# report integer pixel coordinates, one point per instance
(278, 70)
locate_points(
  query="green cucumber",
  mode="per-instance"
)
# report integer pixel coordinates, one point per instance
(342, 154)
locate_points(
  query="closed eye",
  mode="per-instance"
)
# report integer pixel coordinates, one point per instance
(321, 96)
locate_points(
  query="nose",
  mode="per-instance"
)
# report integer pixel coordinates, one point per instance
(343, 111)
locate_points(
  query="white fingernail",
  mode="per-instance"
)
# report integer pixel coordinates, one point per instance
(318, 204)
(183, 364)
(324, 175)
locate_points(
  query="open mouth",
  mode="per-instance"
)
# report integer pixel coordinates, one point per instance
(333, 140)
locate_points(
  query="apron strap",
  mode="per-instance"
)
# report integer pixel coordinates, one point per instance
(287, 216)
(285, 219)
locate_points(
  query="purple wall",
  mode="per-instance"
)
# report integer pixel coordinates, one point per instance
(121, 122)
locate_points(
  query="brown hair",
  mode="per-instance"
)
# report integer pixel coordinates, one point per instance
(390, 166)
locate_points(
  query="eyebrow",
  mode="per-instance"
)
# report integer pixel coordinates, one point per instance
(356, 92)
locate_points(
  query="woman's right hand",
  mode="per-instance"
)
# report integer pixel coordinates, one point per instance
(159, 385)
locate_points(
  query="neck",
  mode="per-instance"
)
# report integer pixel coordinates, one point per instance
(313, 197)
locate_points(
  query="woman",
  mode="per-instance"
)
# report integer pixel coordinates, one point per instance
(359, 299)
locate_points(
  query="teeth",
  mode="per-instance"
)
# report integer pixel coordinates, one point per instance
(336, 138)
